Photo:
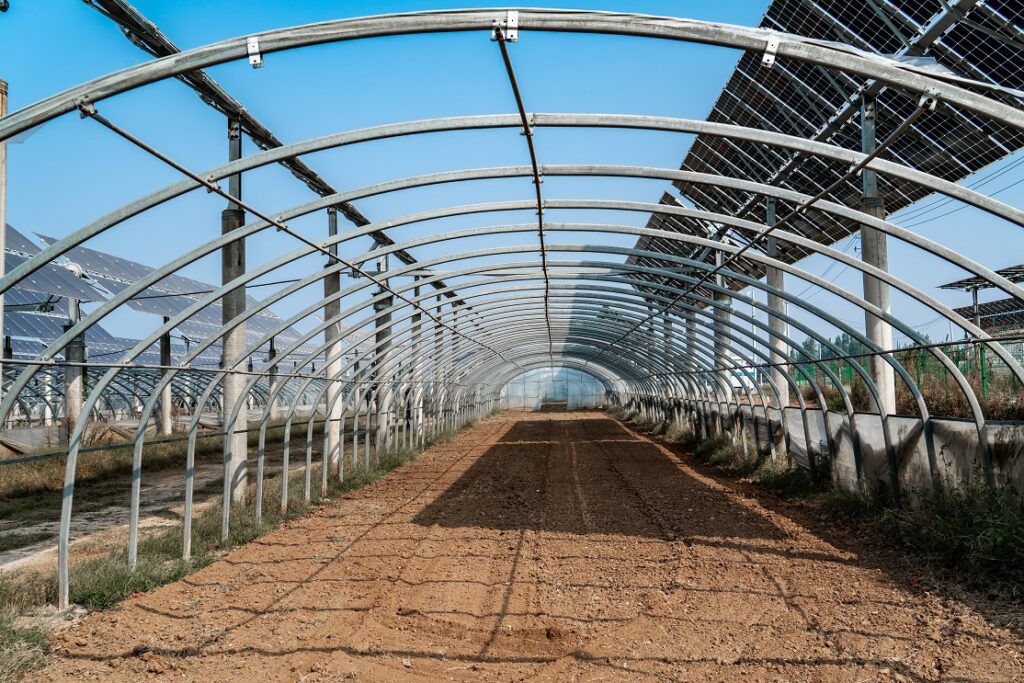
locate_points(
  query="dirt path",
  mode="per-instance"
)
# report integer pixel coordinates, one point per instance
(543, 547)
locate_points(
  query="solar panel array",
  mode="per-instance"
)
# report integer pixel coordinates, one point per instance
(997, 316)
(1013, 274)
(986, 44)
(169, 296)
(36, 311)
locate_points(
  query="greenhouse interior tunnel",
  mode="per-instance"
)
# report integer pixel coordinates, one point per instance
(614, 258)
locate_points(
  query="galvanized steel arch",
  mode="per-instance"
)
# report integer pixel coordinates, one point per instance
(831, 56)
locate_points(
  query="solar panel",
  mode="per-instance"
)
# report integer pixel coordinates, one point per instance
(1002, 314)
(1013, 274)
(168, 297)
(810, 101)
(51, 278)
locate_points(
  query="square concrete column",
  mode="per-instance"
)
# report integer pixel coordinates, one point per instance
(381, 374)
(874, 251)
(74, 375)
(3, 211)
(416, 371)
(721, 323)
(332, 337)
(234, 341)
(273, 379)
(776, 304)
(166, 417)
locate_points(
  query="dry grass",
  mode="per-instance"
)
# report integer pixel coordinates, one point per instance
(102, 579)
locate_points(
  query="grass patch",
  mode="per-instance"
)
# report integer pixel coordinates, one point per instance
(15, 540)
(977, 532)
(104, 580)
(22, 647)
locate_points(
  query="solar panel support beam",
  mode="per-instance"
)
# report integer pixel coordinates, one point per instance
(235, 341)
(875, 252)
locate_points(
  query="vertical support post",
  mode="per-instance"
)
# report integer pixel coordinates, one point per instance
(776, 305)
(234, 342)
(74, 375)
(166, 423)
(332, 336)
(721, 322)
(875, 251)
(416, 370)
(3, 213)
(272, 379)
(381, 382)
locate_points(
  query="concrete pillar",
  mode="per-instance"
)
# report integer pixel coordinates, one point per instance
(722, 318)
(166, 420)
(722, 359)
(416, 372)
(74, 375)
(776, 279)
(335, 363)
(272, 409)
(233, 304)
(438, 373)
(3, 211)
(874, 251)
(381, 381)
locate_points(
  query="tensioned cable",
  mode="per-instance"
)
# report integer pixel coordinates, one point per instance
(499, 34)
(88, 110)
(927, 102)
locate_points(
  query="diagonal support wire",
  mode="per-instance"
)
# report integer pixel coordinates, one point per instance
(88, 110)
(926, 103)
(500, 37)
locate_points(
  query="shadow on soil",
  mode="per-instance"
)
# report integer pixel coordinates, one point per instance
(564, 476)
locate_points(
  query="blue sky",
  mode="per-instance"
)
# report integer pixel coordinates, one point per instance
(72, 171)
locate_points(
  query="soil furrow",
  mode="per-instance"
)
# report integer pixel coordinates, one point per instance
(545, 546)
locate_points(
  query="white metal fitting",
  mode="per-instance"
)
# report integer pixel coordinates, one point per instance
(770, 50)
(255, 58)
(509, 27)
(929, 99)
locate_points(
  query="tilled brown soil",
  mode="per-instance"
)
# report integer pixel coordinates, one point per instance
(544, 547)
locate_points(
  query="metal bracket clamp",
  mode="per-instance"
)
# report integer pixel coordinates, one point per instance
(507, 29)
(770, 50)
(929, 99)
(255, 58)
(86, 109)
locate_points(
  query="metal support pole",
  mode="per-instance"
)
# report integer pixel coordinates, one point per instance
(166, 420)
(874, 251)
(332, 336)
(233, 304)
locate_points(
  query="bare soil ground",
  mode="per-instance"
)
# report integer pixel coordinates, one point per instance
(545, 547)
